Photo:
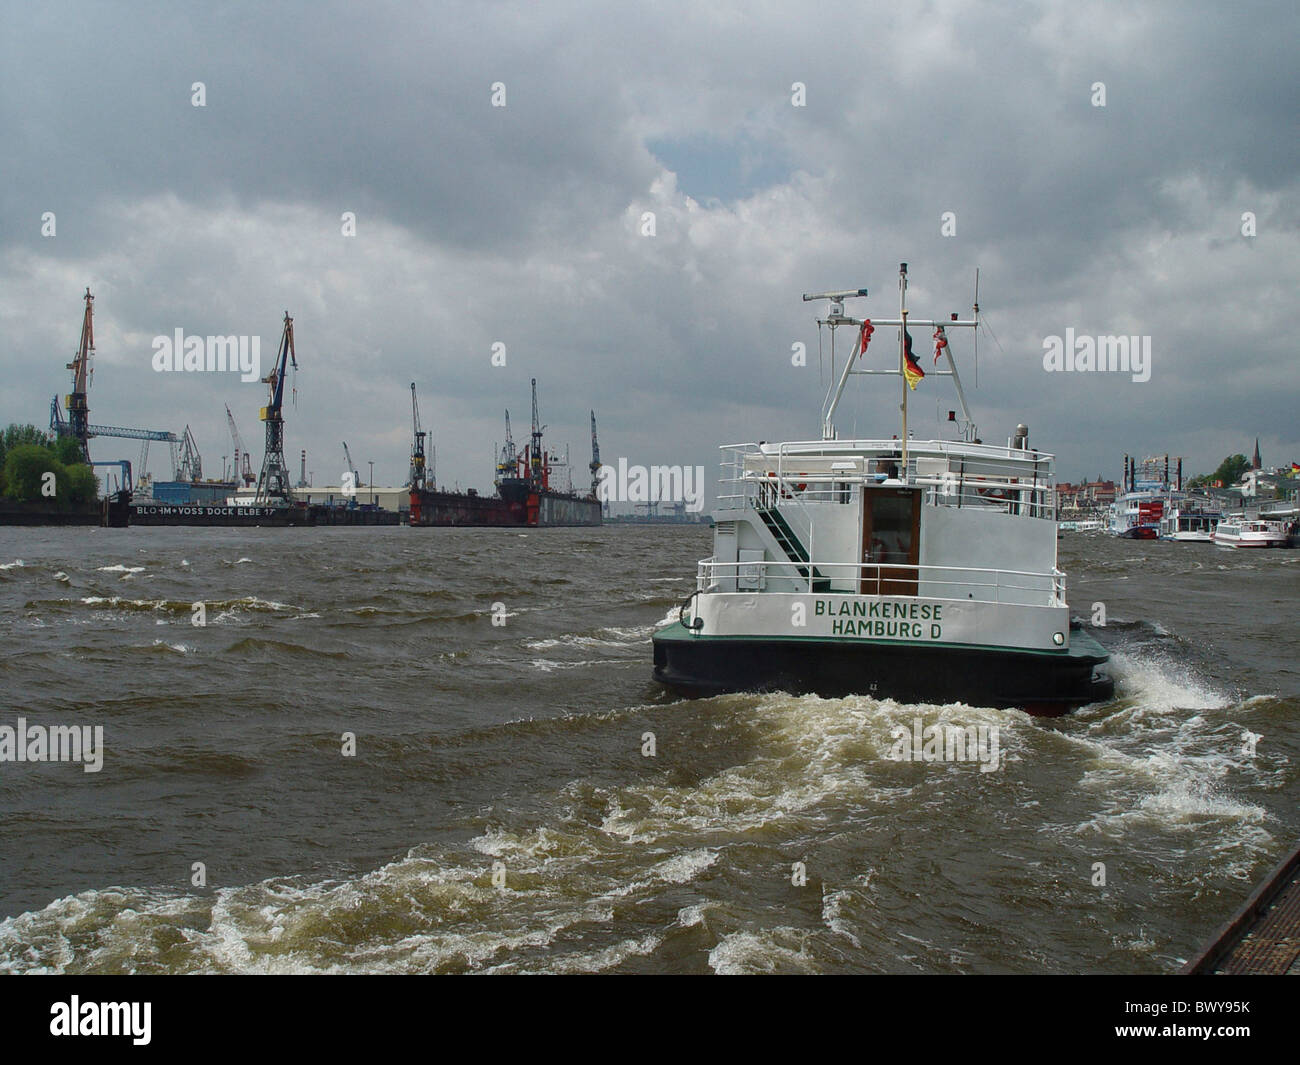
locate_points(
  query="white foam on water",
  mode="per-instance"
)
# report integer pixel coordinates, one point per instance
(776, 950)
(692, 916)
(593, 962)
(683, 868)
(547, 665)
(812, 752)
(18, 562)
(634, 633)
(573, 640)
(542, 843)
(832, 903)
(94, 929)
(120, 569)
(1161, 760)
(1154, 686)
(62, 577)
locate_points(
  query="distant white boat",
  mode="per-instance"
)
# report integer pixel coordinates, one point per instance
(1087, 525)
(1238, 532)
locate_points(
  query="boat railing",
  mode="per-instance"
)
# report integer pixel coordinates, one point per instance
(967, 584)
(1280, 508)
(1009, 481)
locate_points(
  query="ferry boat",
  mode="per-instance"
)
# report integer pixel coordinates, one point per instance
(1189, 523)
(919, 570)
(1287, 511)
(1137, 515)
(1243, 532)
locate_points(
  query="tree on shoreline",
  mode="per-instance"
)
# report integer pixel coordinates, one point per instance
(1230, 471)
(27, 454)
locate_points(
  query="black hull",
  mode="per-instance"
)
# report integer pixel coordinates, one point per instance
(257, 517)
(111, 513)
(1042, 683)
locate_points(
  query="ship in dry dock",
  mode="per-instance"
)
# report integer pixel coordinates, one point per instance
(526, 494)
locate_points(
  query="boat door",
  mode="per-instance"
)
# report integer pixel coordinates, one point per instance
(891, 539)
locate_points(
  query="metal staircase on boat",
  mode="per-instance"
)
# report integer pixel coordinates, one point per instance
(790, 544)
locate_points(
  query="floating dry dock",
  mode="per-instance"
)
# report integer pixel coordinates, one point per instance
(1263, 939)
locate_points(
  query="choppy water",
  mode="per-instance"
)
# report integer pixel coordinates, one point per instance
(520, 744)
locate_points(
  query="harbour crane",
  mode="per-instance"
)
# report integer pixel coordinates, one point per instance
(595, 460)
(417, 445)
(243, 469)
(191, 464)
(78, 425)
(356, 473)
(78, 422)
(273, 482)
(59, 427)
(508, 461)
(536, 461)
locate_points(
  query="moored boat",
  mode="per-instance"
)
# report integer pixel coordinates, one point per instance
(1136, 515)
(1243, 532)
(1189, 523)
(921, 570)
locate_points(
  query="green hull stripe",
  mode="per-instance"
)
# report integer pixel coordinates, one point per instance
(1083, 645)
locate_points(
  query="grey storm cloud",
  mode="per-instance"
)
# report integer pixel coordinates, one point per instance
(521, 224)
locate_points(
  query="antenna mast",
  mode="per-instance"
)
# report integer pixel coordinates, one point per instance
(836, 317)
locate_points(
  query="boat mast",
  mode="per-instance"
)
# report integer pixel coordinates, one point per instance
(902, 357)
(836, 317)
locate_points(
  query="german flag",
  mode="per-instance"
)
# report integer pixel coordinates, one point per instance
(911, 368)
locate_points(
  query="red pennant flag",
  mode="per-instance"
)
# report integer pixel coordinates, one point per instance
(940, 342)
(865, 338)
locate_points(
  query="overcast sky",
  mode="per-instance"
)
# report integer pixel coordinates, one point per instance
(522, 224)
